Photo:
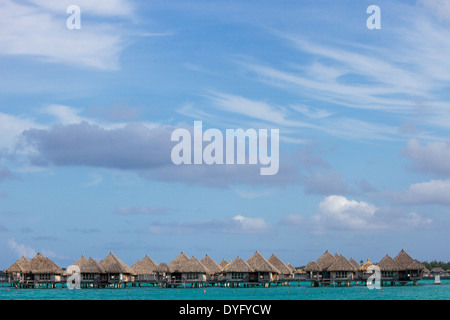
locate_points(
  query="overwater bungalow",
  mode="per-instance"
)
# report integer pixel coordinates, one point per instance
(437, 271)
(313, 272)
(45, 273)
(19, 271)
(236, 272)
(341, 271)
(389, 270)
(175, 268)
(90, 271)
(285, 273)
(324, 262)
(214, 269)
(162, 273)
(38, 272)
(194, 272)
(363, 272)
(263, 270)
(117, 272)
(410, 269)
(145, 270)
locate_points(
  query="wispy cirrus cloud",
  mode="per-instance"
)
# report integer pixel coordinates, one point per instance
(98, 45)
(236, 225)
(146, 211)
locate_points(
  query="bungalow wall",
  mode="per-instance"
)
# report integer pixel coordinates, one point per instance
(193, 277)
(237, 276)
(47, 278)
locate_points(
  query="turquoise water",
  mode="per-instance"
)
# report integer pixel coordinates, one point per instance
(425, 290)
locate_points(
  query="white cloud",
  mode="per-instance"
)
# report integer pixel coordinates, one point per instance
(11, 127)
(64, 114)
(440, 7)
(250, 225)
(35, 30)
(431, 158)
(260, 110)
(21, 249)
(113, 8)
(339, 213)
(431, 192)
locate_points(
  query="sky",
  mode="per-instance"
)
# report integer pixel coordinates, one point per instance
(87, 114)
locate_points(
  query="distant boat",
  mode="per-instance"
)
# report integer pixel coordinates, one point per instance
(437, 279)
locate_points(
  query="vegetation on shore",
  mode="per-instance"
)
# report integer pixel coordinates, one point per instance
(436, 264)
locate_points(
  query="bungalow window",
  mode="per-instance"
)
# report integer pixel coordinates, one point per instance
(88, 276)
(237, 275)
(45, 277)
(387, 274)
(191, 276)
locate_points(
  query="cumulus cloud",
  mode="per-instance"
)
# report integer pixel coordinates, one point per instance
(21, 249)
(338, 213)
(431, 192)
(431, 158)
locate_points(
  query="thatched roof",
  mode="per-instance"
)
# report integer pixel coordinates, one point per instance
(280, 265)
(144, 266)
(112, 264)
(238, 265)
(388, 264)
(177, 263)
(100, 267)
(260, 264)
(415, 265)
(194, 266)
(437, 270)
(341, 264)
(403, 260)
(88, 266)
(354, 263)
(20, 266)
(366, 265)
(312, 266)
(291, 267)
(162, 268)
(213, 267)
(42, 265)
(325, 261)
(223, 263)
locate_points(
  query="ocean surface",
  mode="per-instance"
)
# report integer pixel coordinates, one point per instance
(425, 290)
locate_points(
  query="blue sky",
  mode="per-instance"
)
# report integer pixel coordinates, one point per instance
(86, 117)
